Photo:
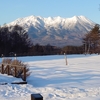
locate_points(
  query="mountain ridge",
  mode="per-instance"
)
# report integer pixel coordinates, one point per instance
(56, 31)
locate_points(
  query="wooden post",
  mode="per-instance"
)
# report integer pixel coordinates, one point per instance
(66, 59)
(24, 72)
(2, 57)
(2, 69)
(8, 70)
(15, 57)
(15, 71)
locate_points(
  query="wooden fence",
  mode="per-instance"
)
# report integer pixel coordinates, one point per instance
(14, 70)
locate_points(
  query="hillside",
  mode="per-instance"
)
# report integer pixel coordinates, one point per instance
(56, 31)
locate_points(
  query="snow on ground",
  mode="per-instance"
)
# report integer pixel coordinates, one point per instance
(54, 80)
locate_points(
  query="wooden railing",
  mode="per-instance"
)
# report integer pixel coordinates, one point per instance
(14, 70)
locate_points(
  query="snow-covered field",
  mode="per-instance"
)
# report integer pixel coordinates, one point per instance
(54, 80)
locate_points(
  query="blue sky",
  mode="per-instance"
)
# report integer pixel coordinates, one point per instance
(13, 9)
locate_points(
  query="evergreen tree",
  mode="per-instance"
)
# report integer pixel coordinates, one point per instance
(14, 39)
(92, 39)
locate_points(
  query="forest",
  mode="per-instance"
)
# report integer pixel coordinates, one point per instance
(15, 41)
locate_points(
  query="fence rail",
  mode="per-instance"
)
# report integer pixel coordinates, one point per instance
(14, 70)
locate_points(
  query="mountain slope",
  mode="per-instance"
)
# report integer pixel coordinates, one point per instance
(56, 30)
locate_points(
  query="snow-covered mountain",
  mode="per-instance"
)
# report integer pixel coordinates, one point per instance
(56, 30)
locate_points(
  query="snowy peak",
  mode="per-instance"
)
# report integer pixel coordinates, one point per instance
(55, 30)
(31, 20)
(50, 20)
(82, 19)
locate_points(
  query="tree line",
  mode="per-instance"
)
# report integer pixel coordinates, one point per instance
(91, 41)
(15, 40)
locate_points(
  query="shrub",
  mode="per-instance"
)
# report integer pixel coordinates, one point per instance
(6, 61)
(16, 68)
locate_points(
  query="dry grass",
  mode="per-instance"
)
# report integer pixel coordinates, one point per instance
(22, 65)
(19, 66)
(6, 61)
